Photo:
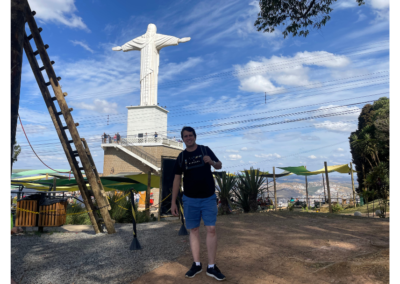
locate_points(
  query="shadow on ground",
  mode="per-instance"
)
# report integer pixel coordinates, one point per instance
(290, 247)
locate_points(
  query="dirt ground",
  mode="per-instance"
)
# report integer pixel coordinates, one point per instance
(290, 247)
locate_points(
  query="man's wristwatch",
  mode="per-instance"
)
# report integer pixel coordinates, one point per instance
(214, 163)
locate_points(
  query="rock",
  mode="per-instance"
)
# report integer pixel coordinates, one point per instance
(378, 212)
(357, 213)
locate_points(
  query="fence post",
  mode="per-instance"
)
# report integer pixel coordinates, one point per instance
(327, 186)
(276, 205)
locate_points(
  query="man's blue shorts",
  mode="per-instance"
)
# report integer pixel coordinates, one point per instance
(197, 208)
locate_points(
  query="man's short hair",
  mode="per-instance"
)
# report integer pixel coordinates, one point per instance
(189, 129)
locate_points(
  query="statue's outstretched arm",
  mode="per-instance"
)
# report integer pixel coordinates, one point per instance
(117, 48)
(185, 39)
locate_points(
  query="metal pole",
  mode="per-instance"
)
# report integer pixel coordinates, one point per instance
(327, 186)
(352, 184)
(276, 205)
(160, 191)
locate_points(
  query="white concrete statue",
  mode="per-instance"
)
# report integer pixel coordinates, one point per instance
(149, 45)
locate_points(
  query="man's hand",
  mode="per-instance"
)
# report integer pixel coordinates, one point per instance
(118, 48)
(174, 209)
(208, 160)
(185, 39)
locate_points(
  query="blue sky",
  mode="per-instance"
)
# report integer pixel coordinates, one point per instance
(215, 82)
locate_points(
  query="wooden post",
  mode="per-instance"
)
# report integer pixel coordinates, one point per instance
(323, 182)
(276, 205)
(17, 45)
(352, 184)
(327, 186)
(308, 205)
(148, 192)
(160, 191)
(54, 186)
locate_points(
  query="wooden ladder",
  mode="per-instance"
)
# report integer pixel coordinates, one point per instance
(81, 150)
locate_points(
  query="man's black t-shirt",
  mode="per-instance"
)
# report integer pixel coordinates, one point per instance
(198, 181)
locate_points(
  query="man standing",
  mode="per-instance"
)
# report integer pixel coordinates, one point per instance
(198, 199)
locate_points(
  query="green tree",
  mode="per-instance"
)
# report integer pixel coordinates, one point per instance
(296, 15)
(225, 185)
(369, 144)
(17, 151)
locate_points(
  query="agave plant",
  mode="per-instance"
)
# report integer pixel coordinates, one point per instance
(251, 184)
(225, 185)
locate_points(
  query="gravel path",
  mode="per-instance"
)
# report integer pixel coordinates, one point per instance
(88, 258)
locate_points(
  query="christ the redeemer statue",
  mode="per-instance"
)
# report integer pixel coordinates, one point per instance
(150, 45)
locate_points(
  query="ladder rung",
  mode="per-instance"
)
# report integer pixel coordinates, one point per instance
(75, 153)
(48, 84)
(60, 112)
(65, 127)
(40, 30)
(36, 52)
(81, 169)
(42, 68)
(70, 141)
(29, 37)
(46, 46)
(53, 98)
(33, 13)
(58, 78)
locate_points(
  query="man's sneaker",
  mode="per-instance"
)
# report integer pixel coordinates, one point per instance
(193, 270)
(216, 273)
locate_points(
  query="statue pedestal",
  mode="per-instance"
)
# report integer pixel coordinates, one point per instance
(146, 119)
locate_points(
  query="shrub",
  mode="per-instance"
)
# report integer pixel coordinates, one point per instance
(336, 208)
(290, 207)
(77, 219)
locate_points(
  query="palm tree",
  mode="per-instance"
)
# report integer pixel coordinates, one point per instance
(225, 184)
(252, 182)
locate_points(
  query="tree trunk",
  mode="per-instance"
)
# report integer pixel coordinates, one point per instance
(253, 202)
(17, 44)
(225, 206)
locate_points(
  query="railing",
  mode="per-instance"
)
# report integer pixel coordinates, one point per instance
(143, 154)
(133, 141)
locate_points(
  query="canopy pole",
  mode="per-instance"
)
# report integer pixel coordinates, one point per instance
(327, 186)
(308, 203)
(148, 192)
(352, 184)
(276, 205)
(323, 182)
(160, 190)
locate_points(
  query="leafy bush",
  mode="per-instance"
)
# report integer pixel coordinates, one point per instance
(336, 208)
(77, 219)
(290, 206)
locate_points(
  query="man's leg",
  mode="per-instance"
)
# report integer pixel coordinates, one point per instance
(195, 244)
(211, 244)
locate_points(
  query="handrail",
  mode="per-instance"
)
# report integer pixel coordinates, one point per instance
(141, 153)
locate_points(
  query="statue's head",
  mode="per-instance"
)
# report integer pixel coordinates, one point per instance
(152, 29)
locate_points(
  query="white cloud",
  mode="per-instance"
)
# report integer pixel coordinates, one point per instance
(232, 151)
(380, 4)
(244, 149)
(59, 12)
(275, 70)
(100, 106)
(171, 69)
(84, 45)
(234, 157)
(337, 126)
(340, 149)
(312, 157)
(275, 155)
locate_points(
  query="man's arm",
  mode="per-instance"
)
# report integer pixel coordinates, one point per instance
(175, 191)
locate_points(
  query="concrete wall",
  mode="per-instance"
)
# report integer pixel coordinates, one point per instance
(120, 161)
(150, 119)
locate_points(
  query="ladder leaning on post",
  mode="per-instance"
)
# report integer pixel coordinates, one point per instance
(82, 150)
